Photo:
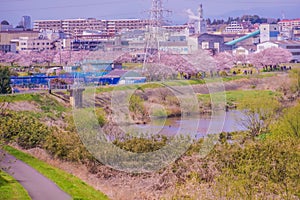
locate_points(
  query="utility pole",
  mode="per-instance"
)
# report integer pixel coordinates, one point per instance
(154, 33)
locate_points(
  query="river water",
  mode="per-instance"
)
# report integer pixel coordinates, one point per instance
(197, 126)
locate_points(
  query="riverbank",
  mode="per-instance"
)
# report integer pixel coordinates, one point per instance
(225, 172)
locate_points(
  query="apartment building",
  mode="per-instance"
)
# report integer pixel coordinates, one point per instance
(54, 25)
(289, 23)
(34, 44)
(115, 26)
(234, 27)
(76, 27)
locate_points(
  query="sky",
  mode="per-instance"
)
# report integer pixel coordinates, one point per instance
(13, 10)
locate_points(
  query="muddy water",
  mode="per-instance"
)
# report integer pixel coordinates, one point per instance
(196, 125)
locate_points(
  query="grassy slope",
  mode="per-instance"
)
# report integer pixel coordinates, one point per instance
(20, 97)
(67, 182)
(151, 85)
(238, 96)
(10, 189)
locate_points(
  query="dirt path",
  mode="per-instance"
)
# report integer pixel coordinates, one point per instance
(37, 186)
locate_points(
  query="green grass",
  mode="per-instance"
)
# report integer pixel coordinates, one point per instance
(20, 97)
(67, 182)
(129, 66)
(10, 189)
(152, 85)
(237, 96)
(50, 107)
(127, 87)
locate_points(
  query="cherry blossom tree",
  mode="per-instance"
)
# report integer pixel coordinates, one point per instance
(224, 60)
(240, 59)
(270, 57)
(47, 56)
(78, 56)
(158, 72)
(25, 58)
(201, 60)
(62, 57)
(178, 63)
(1, 56)
(36, 57)
(277, 56)
(11, 58)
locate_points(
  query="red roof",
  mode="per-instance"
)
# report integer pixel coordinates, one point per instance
(289, 20)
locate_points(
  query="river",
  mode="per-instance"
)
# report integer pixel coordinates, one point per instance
(196, 125)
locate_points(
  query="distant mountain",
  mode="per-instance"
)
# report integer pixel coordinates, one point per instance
(274, 12)
(266, 12)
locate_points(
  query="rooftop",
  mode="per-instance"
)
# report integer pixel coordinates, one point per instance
(289, 20)
(284, 42)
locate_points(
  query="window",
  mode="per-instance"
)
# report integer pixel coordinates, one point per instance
(205, 45)
(293, 47)
(296, 53)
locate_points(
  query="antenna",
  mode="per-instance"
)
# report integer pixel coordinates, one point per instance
(282, 15)
(157, 14)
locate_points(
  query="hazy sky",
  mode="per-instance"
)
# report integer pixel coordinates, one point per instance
(13, 10)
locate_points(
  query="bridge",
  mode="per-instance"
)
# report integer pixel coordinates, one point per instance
(234, 42)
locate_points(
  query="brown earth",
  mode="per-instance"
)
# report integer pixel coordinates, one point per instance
(24, 106)
(122, 186)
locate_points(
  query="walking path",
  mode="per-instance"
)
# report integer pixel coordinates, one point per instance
(38, 186)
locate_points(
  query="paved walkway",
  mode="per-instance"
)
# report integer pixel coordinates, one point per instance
(38, 186)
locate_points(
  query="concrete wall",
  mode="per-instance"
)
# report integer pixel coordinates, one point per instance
(209, 41)
(7, 36)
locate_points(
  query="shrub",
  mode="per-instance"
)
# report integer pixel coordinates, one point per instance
(101, 116)
(142, 145)
(27, 131)
(223, 74)
(288, 125)
(66, 146)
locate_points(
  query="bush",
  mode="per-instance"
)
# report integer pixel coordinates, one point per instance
(259, 170)
(66, 146)
(101, 116)
(288, 126)
(4, 80)
(27, 131)
(142, 145)
(223, 74)
(136, 105)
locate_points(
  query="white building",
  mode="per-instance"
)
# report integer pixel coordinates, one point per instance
(240, 51)
(289, 23)
(76, 27)
(179, 47)
(34, 44)
(268, 32)
(234, 27)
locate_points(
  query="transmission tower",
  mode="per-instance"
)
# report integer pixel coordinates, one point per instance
(154, 33)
